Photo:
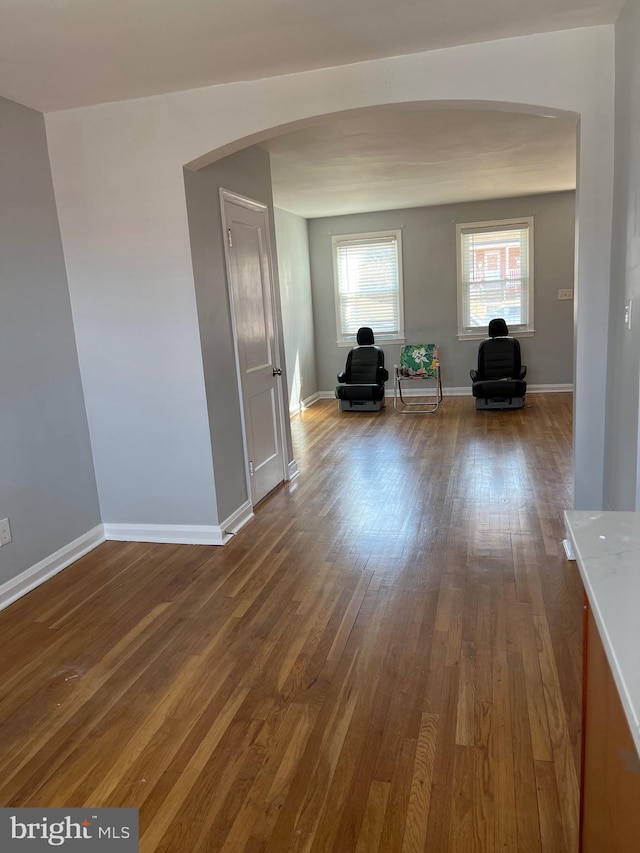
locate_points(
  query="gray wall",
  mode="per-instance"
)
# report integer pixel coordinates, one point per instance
(247, 173)
(430, 294)
(47, 481)
(621, 447)
(297, 306)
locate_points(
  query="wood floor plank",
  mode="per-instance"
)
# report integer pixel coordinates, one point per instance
(501, 756)
(415, 831)
(463, 835)
(373, 822)
(386, 658)
(439, 827)
(524, 766)
(563, 761)
(549, 811)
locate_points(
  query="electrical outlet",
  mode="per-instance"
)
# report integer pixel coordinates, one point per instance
(566, 293)
(5, 531)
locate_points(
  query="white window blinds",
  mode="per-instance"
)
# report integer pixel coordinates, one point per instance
(368, 285)
(495, 275)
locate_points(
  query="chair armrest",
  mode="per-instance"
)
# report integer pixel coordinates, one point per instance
(342, 376)
(523, 372)
(383, 375)
(474, 375)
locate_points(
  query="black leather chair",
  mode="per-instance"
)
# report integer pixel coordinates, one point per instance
(498, 383)
(362, 380)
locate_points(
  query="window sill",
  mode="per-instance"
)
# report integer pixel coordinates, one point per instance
(482, 336)
(379, 342)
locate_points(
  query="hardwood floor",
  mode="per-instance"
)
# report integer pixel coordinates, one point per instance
(388, 657)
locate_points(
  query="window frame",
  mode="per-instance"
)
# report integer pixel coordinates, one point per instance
(343, 340)
(491, 225)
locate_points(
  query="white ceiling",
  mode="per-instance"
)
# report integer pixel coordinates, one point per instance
(56, 54)
(405, 156)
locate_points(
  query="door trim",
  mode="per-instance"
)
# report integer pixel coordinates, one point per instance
(258, 206)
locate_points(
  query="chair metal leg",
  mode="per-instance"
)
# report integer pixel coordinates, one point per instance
(404, 407)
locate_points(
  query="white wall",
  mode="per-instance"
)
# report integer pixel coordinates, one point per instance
(297, 307)
(247, 173)
(622, 488)
(429, 276)
(118, 177)
(47, 482)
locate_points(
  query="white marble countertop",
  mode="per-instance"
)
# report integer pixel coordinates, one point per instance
(607, 550)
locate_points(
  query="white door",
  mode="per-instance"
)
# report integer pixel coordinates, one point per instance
(248, 252)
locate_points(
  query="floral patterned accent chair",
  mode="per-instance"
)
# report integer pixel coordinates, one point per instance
(419, 368)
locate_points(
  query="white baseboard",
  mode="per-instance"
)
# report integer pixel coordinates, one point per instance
(549, 389)
(292, 470)
(430, 390)
(568, 550)
(182, 534)
(236, 521)
(169, 534)
(464, 391)
(298, 408)
(29, 579)
(309, 401)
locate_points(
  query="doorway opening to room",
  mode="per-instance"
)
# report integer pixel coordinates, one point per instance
(422, 170)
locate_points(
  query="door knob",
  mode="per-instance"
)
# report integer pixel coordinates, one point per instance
(277, 371)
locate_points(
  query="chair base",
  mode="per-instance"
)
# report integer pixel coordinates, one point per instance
(499, 393)
(423, 405)
(361, 405)
(510, 403)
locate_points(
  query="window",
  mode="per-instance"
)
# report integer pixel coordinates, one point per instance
(368, 285)
(495, 275)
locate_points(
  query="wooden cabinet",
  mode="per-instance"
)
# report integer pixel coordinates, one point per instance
(610, 803)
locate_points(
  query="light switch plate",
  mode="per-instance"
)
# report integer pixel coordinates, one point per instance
(627, 313)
